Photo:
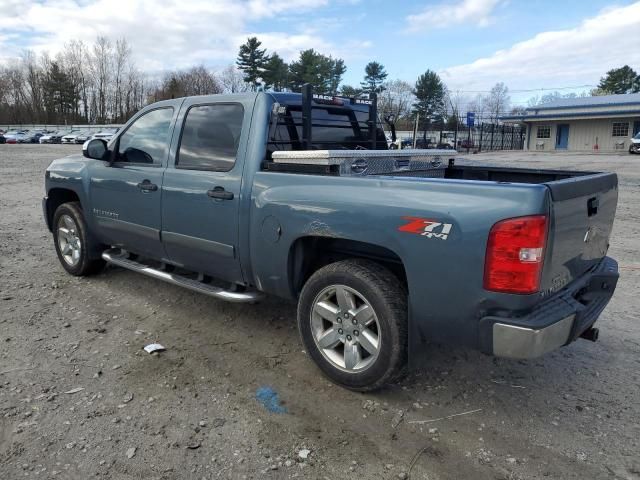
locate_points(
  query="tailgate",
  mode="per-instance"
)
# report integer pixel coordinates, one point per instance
(582, 213)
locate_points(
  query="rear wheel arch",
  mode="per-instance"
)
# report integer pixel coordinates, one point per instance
(310, 253)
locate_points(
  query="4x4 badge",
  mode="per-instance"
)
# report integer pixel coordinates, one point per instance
(426, 228)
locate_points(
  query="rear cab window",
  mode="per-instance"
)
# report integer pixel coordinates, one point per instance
(333, 128)
(210, 137)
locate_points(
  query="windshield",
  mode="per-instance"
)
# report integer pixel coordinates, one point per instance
(637, 137)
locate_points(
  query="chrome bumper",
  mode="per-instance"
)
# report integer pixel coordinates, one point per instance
(554, 323)
(511, 341)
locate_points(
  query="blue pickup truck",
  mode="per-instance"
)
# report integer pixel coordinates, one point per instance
(298, 196)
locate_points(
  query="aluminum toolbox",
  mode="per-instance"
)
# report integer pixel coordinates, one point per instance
(370, 162)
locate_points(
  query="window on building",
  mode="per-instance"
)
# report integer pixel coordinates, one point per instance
(620, 129)
(210, 137)
(544, 131)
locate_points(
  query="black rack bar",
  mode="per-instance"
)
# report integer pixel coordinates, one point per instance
(307, 97)
(373, 119)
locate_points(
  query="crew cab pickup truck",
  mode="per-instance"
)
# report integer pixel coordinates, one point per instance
(297, 195)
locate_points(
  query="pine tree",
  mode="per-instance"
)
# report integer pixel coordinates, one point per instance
(324, 73)
(375, 75)
(252, 61)
(350, 91)
(338, 69)
(276, 73)
(620, 80)
(430, 93)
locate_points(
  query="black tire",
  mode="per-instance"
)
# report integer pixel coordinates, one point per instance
(388, 298)
(85, 265)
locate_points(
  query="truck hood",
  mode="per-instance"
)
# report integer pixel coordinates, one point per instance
(72, 163)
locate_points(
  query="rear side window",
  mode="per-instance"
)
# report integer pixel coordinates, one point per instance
(147, 139)
(210, 137)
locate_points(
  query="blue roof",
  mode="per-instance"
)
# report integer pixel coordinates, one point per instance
(582, 102)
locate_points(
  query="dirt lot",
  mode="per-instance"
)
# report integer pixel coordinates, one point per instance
(191, 412)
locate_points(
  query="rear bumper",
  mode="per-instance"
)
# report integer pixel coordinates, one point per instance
(556, 322)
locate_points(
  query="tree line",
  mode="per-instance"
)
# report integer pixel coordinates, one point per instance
(100, 83)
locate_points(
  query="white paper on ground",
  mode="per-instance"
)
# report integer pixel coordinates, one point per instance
(154, 347)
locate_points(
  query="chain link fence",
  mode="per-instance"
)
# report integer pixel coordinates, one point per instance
(485, 137)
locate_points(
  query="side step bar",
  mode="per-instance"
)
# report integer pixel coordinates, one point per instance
(116, 257)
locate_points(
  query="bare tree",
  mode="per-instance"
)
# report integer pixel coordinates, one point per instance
(498, 101)
(479, 106)
(32, 78)
(232, 80)
(101, 68)
(395, 100)
(75, 62)
(120, 62)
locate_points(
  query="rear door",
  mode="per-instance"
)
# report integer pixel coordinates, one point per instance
(125, 195)
(582, 213)
(201, 189)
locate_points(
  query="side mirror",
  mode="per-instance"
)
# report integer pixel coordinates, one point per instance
(95, 149)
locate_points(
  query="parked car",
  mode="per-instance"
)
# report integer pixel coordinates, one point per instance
(48, 136)
(71, 136)
(635, 144)
(84, 136)
(16, 136)
(509, 261)
(466, 143)
(32, 136)
(10, 136)
(24, 137)
(55, 137)
(106, 134)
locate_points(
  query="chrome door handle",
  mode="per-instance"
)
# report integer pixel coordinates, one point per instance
(220, 193)
(147, 186)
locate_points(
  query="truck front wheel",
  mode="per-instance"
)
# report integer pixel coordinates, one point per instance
(352, 317)
(73, 241)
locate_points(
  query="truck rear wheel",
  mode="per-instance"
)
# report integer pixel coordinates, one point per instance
(73, 242)
(352, 317)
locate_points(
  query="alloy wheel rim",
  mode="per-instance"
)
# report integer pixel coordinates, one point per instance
(69, 240)
(345, 328)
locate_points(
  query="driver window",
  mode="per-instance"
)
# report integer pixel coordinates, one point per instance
(147, 139)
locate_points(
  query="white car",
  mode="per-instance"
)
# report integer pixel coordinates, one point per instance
(105, 135)
(635, 144)
(71, 136)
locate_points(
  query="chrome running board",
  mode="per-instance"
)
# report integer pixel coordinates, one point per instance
(119, 258)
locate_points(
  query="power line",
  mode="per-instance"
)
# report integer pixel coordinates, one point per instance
(529, 90)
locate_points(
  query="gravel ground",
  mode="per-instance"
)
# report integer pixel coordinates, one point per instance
(191, 412)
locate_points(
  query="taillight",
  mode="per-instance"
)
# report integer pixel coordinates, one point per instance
(515, 253)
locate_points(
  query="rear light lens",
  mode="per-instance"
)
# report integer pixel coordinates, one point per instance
(515, 253)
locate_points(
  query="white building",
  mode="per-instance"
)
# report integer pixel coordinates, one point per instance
(594, 124)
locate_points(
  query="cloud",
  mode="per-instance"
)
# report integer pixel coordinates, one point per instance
(576, 56)
(163, 34)
(476, 12)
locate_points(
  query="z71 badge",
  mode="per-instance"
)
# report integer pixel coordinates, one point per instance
(426, 228)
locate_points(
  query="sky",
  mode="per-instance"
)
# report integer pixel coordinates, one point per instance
(533, 46)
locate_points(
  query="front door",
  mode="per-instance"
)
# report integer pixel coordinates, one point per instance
(201, 190)
(562, 137)
(125, 195)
